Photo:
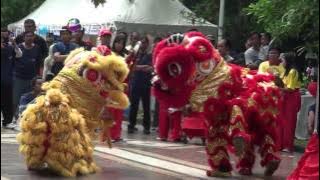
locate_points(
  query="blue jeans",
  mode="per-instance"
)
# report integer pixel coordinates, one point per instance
(20, 87)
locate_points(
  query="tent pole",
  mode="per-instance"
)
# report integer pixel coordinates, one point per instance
(221, 19)
(317, 105)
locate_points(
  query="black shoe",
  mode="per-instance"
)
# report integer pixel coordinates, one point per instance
(130, 131)
(146, 131)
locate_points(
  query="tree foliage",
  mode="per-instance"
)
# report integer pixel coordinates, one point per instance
(237, 25)
(14, 10)
(289, 19)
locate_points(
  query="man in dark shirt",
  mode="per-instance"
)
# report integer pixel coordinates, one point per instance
(9, 51)
(61, 50)
(78, 39)
(140, 84)
(29, 97)
(26, 67)
(30, 26)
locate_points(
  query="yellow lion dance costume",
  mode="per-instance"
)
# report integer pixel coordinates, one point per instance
(57, 130)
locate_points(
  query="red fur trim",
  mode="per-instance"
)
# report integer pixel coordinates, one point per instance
(240, 101)
(246, 162)
(195, 34)
(269, 157)
(226, 91)
(261, 99)
(217, 111)
(253, 72)
(264, 77)
(46, 142)
(273, 93)
(201, 49)
(177, 55)
(176, 100)
(104, 50)
(266, 119)
(236, 76)
(159, 47)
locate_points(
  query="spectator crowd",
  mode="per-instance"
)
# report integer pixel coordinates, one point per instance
(28, 60)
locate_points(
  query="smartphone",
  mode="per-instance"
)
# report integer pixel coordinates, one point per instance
(137, 47)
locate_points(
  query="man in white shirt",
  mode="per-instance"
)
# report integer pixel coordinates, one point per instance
(224, 46)
(252, 54)
(264, 49)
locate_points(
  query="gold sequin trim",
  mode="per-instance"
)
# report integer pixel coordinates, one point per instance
(218, 157)
(216, 143)
(209, 87)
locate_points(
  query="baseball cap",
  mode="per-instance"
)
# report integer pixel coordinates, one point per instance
(104, 32)
(74, 25)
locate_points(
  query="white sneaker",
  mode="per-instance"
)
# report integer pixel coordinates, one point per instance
(17, 128)
(11, 125)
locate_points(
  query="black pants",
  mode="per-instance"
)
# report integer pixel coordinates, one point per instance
(135, 94)
(6, 103)
(156, 115)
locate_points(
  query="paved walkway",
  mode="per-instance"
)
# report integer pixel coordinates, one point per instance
(139, 156)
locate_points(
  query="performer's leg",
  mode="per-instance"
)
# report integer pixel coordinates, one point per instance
(116, 129)
(241, 141)
(163, 121)
(218, 158)
(175, 128)
(269, 158)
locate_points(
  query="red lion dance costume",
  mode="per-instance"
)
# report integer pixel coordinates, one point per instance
(240, 107)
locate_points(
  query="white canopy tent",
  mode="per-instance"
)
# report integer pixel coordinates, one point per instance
(129, 15)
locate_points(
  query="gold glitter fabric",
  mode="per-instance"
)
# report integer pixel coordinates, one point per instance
(57, 130)
(209, 86)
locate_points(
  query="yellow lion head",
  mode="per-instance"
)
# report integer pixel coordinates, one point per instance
(106, 73)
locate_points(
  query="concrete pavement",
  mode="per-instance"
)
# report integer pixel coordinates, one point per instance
(139, 156)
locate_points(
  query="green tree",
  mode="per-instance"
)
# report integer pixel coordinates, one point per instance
(237, 24)
(14, 10)
(294, 21)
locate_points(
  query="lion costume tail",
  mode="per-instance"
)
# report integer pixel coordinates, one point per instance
(55, 135)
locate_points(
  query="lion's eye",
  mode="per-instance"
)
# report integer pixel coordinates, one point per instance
(92, 75)
(206, 67)
(174, 69)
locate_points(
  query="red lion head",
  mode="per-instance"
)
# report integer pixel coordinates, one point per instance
(181, 62)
